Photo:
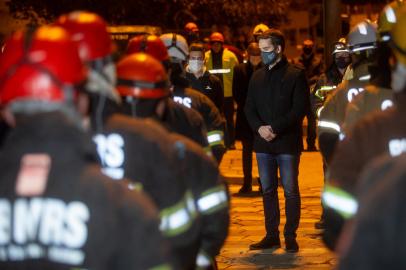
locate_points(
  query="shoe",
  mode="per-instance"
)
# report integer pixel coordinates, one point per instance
(319, 224)
(291, 245)
(267, 243)
(245, 190)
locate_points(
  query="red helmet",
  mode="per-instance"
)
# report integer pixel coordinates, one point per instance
(90, 31)
(142, 76)
(39, 65)
(191, 27)
(149, 44)
(217, 37)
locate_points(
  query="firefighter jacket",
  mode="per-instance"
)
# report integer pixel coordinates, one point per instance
(242, 76)
(278, 97)
(376, 236)
(214, 121)
(72, 217)
(186, 121)
(377, 134)
(140, 150)
(226, 72)
(209, 85)
(210, 193)
(374, 98)
(333, 113)
(324, 87)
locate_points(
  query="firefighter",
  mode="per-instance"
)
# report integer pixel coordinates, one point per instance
(378, 95)
(191, 98)
(125, 144)
(362, 44)
(325, 86)
(221, 62)
(174, 116)
(199, 172)
(57, 209)
(212, 198)
(380, 133)
(375, 238)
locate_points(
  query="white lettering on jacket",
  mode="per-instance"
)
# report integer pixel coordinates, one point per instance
(43, 228)
(353, 92)
(397, 147)
(111, 152)
(185, 101)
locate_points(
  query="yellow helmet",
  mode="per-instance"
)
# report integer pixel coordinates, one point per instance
(387, 18)
(398, 36)
(259, 29)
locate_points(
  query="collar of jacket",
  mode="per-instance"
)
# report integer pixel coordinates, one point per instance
(361, 71)
(283, 62)
(51, 133)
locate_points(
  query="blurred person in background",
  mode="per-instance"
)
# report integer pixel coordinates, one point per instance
(220, 61)
(242, 75)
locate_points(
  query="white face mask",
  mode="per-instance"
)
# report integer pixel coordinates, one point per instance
(196, 65)
(399, 78)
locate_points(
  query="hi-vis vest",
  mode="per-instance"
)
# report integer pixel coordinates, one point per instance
(227, 70)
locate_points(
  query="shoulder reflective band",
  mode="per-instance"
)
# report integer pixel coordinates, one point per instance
(176, 219)
(339, 200)
(203, 260)
(324, 88)
(319, 111)
(135, 186)
(365, 78)
(220, 71)
(330, 125)
(212, 200)
(215, 137)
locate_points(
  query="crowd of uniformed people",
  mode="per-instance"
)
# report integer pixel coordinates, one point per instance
(110, 164)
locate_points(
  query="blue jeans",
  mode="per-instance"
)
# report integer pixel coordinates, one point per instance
(288, 165)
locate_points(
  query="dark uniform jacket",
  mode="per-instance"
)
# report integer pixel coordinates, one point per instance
(209, 85)
(188, 122)
(214, 121)
(278, 97)
(312, 65)
(242, 76)
(376, 134)
(80, 219)
(210, 192)
(141, 151)
(377, 234)
(373, 99)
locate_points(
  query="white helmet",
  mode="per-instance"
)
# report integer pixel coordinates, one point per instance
(177, 46)
(363, 37)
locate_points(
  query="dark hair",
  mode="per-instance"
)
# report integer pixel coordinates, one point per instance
(277, 38)
(197, 47)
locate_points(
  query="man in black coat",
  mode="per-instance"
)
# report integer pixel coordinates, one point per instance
(243, 132)
(278, 98)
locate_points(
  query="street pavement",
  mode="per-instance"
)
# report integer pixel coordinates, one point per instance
(247, 221)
